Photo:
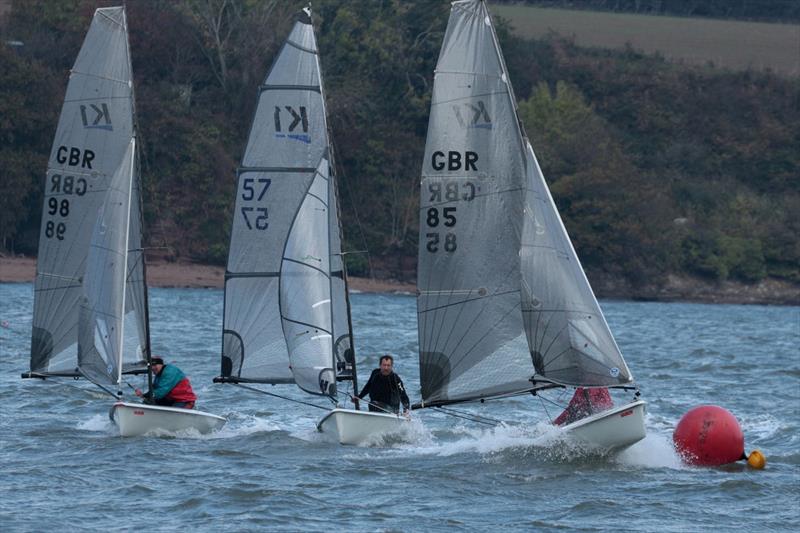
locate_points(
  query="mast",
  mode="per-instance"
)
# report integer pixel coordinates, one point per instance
(140, 194)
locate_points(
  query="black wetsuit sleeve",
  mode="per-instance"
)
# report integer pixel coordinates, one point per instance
(368, 386)
(403, 395)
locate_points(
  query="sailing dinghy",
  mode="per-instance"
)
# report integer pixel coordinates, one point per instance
(504, 307)
(286, 309)
(90, 314)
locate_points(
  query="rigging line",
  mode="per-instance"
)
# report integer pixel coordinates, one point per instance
(351, 396)
(476, 416)
(254, 389)
(62, 384)
(541, 399)
(471, 419)
(343, 181)
(548, 400)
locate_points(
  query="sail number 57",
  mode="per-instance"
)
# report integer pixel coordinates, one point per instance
(254, 190)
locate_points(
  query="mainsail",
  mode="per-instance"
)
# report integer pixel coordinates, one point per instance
(286, 314)
(499, 303)
(92, 144)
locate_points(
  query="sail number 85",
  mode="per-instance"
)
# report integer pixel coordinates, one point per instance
(447, 217)
(253, 190)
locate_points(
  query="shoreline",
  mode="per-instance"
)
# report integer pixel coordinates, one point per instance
(674, 289)
(189, 276)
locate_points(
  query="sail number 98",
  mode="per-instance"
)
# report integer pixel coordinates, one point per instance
(56, 208)
(254, 190)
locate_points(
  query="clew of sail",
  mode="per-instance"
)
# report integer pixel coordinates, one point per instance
(277, 325)
(101, 320)
(93, 135)
(471, 335)
(569, 338)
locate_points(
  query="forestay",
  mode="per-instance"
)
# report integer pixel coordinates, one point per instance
(284, 275)
(479, 191)
(93, 135)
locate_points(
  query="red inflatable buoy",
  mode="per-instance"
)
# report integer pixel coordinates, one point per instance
(709, 436)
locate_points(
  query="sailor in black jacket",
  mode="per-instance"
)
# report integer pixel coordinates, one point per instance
(385, 389)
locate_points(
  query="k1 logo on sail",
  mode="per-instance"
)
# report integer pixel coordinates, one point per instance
(298, 117)
(473, 115)
(96, 116)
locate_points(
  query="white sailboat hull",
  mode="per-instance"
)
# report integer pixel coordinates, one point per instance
(612, 430)
(357, 427)
(136, 419)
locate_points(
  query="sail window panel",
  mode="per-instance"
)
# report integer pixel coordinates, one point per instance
(266, 203)
(296, 64)
(253, 316)
(567, 332)
(102, 305)
(288, 130)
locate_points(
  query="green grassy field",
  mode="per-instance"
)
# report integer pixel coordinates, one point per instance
(726, 43)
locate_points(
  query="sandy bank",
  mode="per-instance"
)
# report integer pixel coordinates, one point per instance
(674, 288)
(163, 274)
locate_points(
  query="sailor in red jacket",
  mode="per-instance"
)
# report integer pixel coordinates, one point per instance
(171, 387)
(585, 402)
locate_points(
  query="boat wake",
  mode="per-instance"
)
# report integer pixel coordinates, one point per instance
(97, 423)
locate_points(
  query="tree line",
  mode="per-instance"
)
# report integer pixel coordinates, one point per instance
(656, 168)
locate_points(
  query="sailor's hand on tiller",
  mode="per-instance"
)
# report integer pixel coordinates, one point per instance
(354, 398)
(138, 392)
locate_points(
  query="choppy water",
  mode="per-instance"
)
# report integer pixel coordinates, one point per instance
(63, 467)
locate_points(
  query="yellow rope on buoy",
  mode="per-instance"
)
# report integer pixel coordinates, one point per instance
(756, 460)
